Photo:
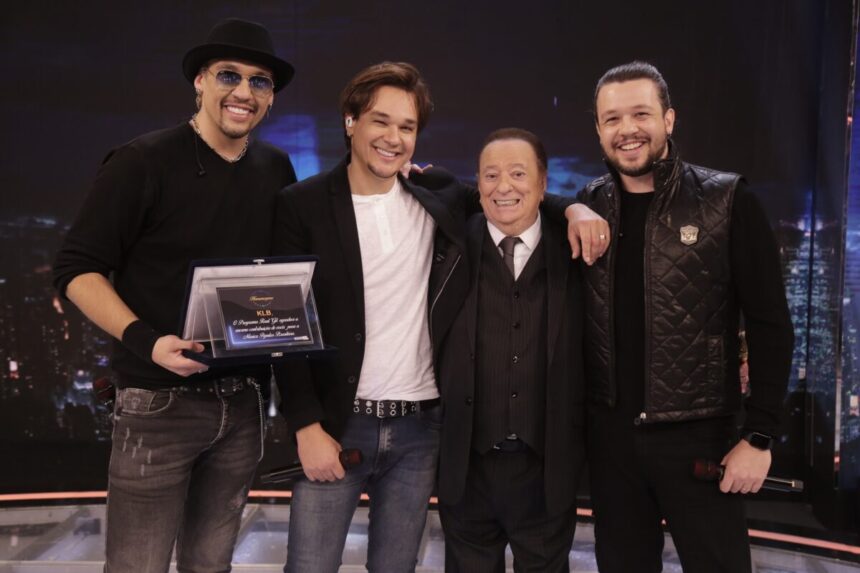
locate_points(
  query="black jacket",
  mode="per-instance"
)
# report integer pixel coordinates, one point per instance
(564, 422)
(316, 216)
(692, 304)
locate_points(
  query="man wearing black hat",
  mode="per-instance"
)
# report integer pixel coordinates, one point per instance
(186, 439)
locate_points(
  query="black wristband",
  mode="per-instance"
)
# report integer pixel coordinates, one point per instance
(139, 337)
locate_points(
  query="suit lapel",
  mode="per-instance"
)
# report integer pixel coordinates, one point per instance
(347, 230)
(556, 279)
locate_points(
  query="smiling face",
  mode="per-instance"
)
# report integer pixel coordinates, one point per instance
(232, 112)
(382, 138)
(633, 127)
(511, 184)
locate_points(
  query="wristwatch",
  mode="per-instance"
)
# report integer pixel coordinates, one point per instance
(759, 441)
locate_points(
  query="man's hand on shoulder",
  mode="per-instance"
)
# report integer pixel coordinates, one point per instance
(167, 353)
(434, 178)
(587, 232)
(746, 468)
(409, 168)
(319, 454)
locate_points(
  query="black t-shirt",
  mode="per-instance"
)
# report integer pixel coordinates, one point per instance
(629, 299)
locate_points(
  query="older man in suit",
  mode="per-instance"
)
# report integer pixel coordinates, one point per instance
(511, 377)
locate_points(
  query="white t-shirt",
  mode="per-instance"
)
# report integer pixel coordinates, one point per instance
(395, 234)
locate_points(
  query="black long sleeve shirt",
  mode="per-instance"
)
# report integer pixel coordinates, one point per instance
(157, 203)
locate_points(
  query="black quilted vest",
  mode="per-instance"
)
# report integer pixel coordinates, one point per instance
(691, 317)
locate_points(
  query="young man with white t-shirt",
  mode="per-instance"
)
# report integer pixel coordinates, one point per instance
(389, 271)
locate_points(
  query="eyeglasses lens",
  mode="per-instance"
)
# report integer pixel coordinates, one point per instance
(231, 80)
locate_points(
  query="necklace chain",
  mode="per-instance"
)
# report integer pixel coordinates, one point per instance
(224, 157)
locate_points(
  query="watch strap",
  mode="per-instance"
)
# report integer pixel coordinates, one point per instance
(758, 440)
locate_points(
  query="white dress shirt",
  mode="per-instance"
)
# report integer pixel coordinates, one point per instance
(529, 240)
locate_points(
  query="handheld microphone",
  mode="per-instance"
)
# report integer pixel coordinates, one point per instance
(348, 459)
(105, 391)
(712, 471)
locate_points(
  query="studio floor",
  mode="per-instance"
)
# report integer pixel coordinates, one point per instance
(71, 539)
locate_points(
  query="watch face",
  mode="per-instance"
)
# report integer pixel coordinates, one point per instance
(760, 441)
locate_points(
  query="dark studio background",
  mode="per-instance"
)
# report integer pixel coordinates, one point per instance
(761, 88)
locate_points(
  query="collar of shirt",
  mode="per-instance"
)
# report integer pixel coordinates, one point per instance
(530, 237)
(379, 197)
(522, 251)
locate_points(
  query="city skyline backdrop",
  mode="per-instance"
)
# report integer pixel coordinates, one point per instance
(77, 94)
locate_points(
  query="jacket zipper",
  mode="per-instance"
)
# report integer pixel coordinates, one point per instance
(439, 293)
(616, 199)
(649, 229)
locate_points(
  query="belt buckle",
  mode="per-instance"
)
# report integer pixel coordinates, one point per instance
(380, 409)
(506, 444)
(229, 386)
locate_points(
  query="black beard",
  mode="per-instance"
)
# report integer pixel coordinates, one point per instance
(634, 172)
(645, 169)
(232, 134)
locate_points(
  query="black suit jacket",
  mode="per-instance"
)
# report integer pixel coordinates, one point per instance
(316, 216)
(565, 387)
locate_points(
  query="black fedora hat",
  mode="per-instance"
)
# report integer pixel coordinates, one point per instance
(242, 40)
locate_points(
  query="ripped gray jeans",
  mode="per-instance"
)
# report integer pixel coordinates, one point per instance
(180, 468)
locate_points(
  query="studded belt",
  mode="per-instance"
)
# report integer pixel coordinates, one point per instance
(391, 408)
(219, 387)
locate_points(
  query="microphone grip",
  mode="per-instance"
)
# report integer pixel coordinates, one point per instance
(787, 485)
(349, 458)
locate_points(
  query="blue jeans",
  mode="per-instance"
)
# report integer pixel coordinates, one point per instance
(180, 470)
(398, 473)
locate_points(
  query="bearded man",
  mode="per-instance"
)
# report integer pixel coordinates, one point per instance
(691, 251)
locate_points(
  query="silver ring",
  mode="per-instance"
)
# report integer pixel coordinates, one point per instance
(601, 236)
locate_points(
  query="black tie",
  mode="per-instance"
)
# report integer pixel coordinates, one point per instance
(507, 244)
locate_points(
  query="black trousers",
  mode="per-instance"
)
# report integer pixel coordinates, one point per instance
(642, 474)
(504, 503)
